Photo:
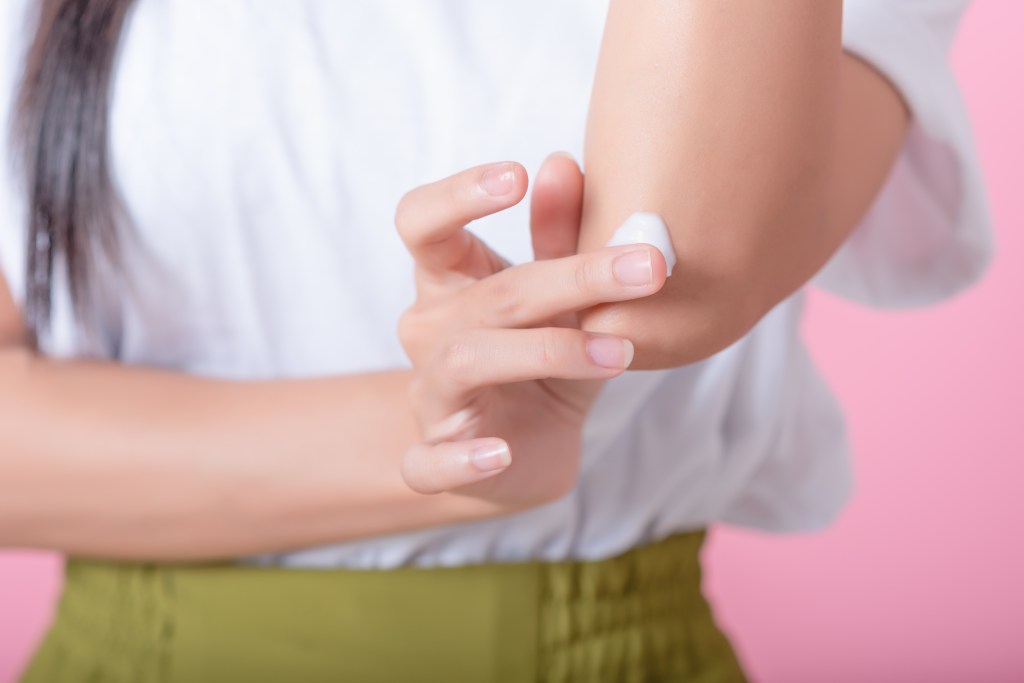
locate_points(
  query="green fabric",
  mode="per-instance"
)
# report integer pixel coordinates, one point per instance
(636, 617)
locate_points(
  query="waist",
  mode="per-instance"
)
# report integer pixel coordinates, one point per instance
(639, 611)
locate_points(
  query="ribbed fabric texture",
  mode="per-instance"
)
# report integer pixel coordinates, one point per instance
(635, 618)
(115, 624)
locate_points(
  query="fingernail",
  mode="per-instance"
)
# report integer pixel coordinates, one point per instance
(490, 458)
(498, 181)
(647, 227)
(610, 352)
(634, 268)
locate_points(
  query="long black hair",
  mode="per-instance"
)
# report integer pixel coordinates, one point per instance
(61, 135)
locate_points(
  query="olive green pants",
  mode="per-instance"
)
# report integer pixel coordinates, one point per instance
(639, 616)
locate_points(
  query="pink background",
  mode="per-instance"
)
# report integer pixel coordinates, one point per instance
(921, 578)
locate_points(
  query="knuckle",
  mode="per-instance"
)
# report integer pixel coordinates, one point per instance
(585, 276)
(408, 328)
(404, 215)
(455, 192)
(503, 297)
(402, 329)
(549, 348)
(422, 329)
(412, 332)
(458, 358)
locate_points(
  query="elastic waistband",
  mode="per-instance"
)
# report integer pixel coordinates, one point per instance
(637, 614)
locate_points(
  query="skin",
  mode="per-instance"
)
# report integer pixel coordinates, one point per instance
(500, 347)
(108, 460)
(754, 136)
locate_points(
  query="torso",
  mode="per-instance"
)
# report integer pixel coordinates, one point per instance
(261, 149)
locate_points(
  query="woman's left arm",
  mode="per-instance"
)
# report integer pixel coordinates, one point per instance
(758, 140)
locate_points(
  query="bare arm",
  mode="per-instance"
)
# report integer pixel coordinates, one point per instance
(108, 460)
(758, 140)
(117, 461)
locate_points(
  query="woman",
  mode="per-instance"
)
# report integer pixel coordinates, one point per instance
(223, 368)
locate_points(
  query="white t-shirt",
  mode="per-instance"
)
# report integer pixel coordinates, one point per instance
(262, 146)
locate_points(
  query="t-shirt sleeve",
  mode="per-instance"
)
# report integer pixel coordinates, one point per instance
(928, 234)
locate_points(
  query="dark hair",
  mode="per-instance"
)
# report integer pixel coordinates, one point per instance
(60, 133)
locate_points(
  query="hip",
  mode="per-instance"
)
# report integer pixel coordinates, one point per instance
(637, 616)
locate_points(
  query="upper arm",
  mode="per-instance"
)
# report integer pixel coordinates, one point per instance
(757, 139)
(872, 121)
(926, 234)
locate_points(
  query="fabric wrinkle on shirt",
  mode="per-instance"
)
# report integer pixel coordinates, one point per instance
(261, 148)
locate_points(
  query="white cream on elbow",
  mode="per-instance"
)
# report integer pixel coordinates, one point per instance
(647, 228)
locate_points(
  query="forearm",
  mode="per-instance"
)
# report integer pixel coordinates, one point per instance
(107, 460)
(720, 116)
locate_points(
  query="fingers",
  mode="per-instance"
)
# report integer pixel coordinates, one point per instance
(479, 358)
(445, 466)
(532, 293)
(431, 219)
(555, 207)
(535, 294)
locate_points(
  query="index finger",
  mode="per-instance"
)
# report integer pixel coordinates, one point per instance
(431, 219)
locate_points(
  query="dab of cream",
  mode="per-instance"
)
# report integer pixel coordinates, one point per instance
(647, 228)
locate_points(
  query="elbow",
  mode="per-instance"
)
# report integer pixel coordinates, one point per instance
(701, 310)
(733, 265)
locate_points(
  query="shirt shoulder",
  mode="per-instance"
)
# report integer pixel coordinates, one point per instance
(928, 234)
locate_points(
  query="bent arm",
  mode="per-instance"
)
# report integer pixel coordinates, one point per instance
(107, 460)
(756, 138)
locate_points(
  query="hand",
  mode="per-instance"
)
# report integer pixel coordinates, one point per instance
(502, 368)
